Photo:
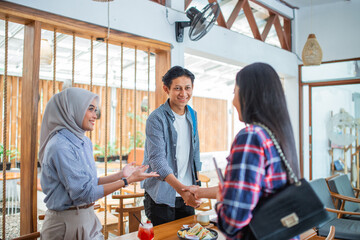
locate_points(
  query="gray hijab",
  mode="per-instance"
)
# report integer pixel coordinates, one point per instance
(65, 110)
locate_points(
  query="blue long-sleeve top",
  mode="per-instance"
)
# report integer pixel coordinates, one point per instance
(68, 172)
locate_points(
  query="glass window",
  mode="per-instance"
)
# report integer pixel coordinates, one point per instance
(337, 71)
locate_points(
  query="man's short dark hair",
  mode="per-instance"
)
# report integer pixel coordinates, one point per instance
(176, 72)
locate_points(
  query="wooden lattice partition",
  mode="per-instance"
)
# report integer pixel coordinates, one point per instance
(213, 137)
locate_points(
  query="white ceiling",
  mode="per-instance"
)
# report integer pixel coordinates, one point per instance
(307, 3)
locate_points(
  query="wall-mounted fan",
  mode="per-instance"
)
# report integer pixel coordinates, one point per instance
(200, 22)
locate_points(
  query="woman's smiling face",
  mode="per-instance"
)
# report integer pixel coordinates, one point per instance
(88, 122)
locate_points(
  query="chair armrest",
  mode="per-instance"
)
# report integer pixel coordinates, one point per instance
(357, 191)
(346, 198)
(129, 209)
(341, 211)
(33, 235)
(135, 195)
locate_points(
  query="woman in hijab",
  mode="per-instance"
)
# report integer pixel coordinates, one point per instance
(68, 176)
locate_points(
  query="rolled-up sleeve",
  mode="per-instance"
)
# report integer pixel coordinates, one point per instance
(156, 149)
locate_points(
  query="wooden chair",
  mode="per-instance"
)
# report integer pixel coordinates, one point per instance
(206, 205)
(130, 212)
(345, 195)
(331, 234)
(34, 235)
(111, 223)
(345, 228)
(139, 156)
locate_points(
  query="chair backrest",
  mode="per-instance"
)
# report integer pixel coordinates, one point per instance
(321, 189)
(342, 185)
(132, 212)
(206, 205)
(139, 156)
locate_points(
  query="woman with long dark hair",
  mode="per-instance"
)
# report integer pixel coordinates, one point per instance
(255, 169)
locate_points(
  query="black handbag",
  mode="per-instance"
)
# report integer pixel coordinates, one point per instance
(289, 212)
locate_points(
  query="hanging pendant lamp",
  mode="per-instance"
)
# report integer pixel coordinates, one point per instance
(312, 53)
(46, 54)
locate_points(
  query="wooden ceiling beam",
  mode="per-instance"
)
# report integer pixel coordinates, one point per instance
(239, 5)
(187, 3)
(251, 20)
(280, 33)
(220, 20)
(287, 32)
(268, 25)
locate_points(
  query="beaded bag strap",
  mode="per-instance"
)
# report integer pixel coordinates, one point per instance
(281, 153)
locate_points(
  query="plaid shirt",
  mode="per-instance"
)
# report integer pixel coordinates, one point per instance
(254, 170)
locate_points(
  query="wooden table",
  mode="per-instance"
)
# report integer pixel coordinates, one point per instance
(168, 231)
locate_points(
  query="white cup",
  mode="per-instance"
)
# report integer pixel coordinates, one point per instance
(203, 219)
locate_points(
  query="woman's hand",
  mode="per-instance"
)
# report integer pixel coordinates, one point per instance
(128, 169)
(138, 174)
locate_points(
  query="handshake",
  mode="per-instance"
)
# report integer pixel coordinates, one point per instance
(191, 197)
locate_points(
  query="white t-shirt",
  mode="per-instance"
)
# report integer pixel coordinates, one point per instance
(183, 130)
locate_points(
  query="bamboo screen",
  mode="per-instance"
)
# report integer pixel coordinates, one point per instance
(212, 117)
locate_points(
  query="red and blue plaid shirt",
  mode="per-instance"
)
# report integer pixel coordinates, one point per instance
(254, 170)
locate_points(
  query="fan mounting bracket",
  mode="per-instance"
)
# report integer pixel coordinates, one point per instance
(179, 30)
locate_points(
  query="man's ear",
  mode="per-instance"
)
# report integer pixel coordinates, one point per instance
(166, 89)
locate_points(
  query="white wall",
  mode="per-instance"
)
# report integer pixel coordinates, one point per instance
(336, 27)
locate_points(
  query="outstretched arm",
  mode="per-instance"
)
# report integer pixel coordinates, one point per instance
(137, 175)
(124, 173)
(202, 192)
(188, 197)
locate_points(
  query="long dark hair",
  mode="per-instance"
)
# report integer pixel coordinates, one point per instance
(262, 100)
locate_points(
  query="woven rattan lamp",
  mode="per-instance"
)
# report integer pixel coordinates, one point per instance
(46, 54)
(312, 53)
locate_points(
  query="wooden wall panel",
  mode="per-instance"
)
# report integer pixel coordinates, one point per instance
(212, 123)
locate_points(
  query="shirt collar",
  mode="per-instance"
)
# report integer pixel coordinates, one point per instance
(170, 111)
(72, 137)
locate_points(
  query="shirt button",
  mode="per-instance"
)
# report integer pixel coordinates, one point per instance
(174, 159)
(174, 145)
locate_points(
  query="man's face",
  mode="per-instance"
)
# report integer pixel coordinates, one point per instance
(179, 93)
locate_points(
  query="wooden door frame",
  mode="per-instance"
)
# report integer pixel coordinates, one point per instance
(301, 107)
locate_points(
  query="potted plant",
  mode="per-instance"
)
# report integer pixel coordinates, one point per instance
(10, 153)
(99, 152)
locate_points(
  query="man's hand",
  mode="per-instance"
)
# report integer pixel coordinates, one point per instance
(192, 189)
(190, 199)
